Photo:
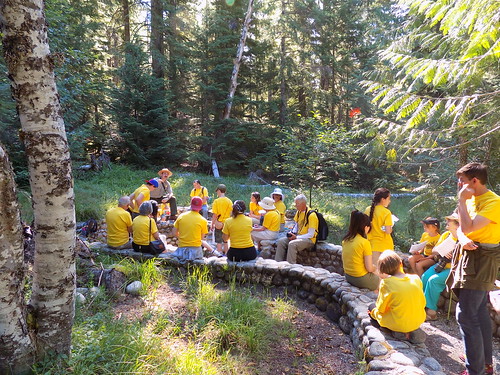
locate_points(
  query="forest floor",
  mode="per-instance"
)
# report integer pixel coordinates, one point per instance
(319, 346)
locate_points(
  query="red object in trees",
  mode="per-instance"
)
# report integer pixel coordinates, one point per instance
(354, 112)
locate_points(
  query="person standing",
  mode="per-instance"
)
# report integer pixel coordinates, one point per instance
(164, 194)
(303, 235)
(221, 209)
(475, 265)
(202, 192)
(119, 225)
(381, 223)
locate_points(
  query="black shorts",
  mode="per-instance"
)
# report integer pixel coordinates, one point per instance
(242, 254)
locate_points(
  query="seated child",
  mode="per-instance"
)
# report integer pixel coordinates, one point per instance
(254, 208)
(423, 259)
(400, 304)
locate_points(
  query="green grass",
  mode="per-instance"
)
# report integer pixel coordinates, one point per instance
(227, 330)
(97, 192)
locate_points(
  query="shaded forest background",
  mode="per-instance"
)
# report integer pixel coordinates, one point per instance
(147, 83)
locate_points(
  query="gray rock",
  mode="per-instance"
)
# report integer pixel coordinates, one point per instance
(82, 290)
(134, 288)
(405, 359)
(333, 311)
(375, 335)
(407, 370)
(377, 349)
(302, 294)
(321, 303)
(80, 298)
(344, 324)
(379, 365)
(432, 364)
(94, 291)
(398, 345)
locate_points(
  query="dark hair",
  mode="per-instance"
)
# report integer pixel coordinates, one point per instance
(379, 194)
(197, 182)
(476, 170)
(357, 225)
(256, 195)
(221, 188)
(239, 207)
(389, 262)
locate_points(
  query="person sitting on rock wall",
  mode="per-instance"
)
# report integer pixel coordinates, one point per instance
(164, 193)
(400, 304)
(303, 235)
(119, 225)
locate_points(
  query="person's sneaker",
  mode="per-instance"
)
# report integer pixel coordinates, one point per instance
(488, 369)
(465, 372)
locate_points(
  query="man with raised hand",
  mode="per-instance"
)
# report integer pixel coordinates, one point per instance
(475, 265)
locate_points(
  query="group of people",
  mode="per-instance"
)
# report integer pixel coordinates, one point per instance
(466, 258)
(469, 263)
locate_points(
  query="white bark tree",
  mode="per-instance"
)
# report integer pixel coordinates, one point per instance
(51, 308)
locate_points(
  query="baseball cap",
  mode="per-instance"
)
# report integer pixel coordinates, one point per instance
(196, 203)
(152, 182)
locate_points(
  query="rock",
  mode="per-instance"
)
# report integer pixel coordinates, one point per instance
(94, 291)
(344, 324)
(405, 359)
(134, 288)
(378, 365)
(80, 299)
(377, 349)
(333, 311)
(321, 303)
(418, 336)
(432, 364)
(82, 290)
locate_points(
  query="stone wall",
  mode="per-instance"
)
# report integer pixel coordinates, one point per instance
(329, 292)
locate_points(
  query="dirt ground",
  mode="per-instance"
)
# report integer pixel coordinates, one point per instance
(320, 347)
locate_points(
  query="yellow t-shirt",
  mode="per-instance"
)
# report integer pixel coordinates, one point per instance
(431, 242)
(303, 224)
(239, 229)
(222, 207)
(281, 208)
(379, 239)
(254, 208)
(192, 227)
(353, 255)
(201, 192)
(140, 228)
(272, 220)
(443, 237)
(117, 222)
(145, 191)
(488, 206)
(400, 303)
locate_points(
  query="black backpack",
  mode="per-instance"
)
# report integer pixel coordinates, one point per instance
(322, 225)
(89, 227)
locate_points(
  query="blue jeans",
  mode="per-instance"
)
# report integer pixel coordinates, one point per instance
(434, 284)
(475, 327)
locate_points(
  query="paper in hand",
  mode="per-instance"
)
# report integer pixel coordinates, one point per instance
(418, 247)
(445, 247)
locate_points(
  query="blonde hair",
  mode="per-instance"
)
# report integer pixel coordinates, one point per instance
(389, 262)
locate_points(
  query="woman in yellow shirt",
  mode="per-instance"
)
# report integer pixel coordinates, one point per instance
(144, 229)
(278, 197)
(237, 230)
(357, 253)
(381, 223)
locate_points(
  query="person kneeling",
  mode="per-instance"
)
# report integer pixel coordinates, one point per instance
(400, 304)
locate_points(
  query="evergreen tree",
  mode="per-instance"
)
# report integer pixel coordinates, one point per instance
(145, 133)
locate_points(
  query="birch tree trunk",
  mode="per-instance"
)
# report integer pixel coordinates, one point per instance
(237, 61)
(16, 349)
(30, 67)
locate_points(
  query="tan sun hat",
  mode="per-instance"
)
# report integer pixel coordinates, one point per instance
(267, 203)
(165, 170)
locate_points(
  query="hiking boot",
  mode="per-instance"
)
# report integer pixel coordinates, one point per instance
(488, 368)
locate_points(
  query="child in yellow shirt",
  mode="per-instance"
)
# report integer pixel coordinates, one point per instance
(400, 304)
(423, 259)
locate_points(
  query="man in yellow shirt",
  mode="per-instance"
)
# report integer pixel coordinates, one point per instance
(191, 229)
(475, 264)
(221, 210)
(303, 235)
(141, 195)
(119, 225)
(202, 192)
